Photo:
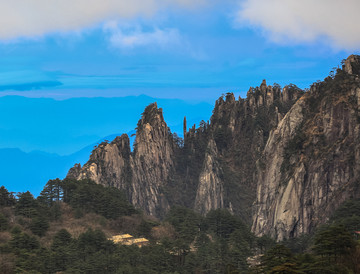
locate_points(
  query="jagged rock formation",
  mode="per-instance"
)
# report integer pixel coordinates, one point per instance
(311, 160)
(281, 158)
(240, 129)
(212, 169)
(352, 65)
(141, 174)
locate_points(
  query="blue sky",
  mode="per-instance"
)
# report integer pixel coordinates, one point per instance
(194, 50)
(183, 54)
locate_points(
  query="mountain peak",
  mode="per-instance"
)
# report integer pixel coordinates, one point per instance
(152, 115)
(352, 64)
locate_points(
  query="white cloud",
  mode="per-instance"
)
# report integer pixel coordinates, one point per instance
(28, 18)
(125, 37)
(131, 36)
(306, 20)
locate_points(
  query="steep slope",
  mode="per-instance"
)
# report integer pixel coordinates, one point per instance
(281, 159)
(210, 192)
(212, 168)
(141, 174)
(240, 129)
(311, 161)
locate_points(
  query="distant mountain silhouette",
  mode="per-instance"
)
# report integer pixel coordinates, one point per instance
(66, 126)
(41, 125)
(21, 171)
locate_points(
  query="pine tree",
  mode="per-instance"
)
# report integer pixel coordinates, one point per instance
(6, 198)
(184, 127)
(26, 205)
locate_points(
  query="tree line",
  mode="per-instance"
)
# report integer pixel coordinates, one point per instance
(183, 242)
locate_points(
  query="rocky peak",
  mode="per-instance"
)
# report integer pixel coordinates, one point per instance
(121, 141)
(229, 98)
(153, 136)
(152, 162)
(152, 115)
(141, 174)
(267, 95)
(263, 86)
(74, 172)
(120, 146)
(352, 64)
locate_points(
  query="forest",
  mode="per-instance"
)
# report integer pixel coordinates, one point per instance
(66, 229)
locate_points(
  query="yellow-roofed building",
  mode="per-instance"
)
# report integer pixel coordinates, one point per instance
(121, 239)
(140, 242)
(127, 239)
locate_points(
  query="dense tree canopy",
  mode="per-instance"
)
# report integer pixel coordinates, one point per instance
(41, 236)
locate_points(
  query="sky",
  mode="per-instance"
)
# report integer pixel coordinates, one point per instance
(193, 50)
(186, 49)
(73, 72)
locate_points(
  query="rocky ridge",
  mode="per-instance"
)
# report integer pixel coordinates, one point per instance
(141, 174)
(311, 158)
(212, 168)
(280, 158)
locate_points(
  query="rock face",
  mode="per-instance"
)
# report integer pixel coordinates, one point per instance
(269, 201)
(240, 129)
(213, 168)
(282, 159)
(210, 192)
(108, 165)
(141, 174)
(311, 160)
(152, 162)
(352, 65)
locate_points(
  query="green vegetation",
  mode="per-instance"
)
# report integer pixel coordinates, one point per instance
(181, 188)
(40, 235)
(293, 149)
(348, 215)
(43, 235)
(87, 196)
(333, 248)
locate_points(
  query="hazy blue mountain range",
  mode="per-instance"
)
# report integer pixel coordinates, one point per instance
(30, 171)
(54, 135)
(66, 126)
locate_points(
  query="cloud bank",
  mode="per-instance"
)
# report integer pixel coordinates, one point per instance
(28, 18)
(23, 80)
(305, 21)
(129, 37)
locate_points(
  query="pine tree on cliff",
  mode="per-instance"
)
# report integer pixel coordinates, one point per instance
(185, 127)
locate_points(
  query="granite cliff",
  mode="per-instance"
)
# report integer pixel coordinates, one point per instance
(282, 158)
(213, 167)
(310, 164)
(142, 174)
